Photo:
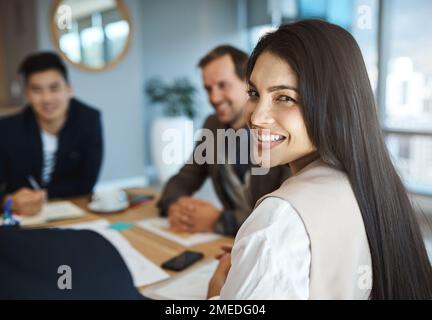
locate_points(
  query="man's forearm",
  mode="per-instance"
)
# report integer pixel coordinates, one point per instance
(185, 183)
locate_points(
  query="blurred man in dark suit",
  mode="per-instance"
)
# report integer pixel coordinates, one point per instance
(55, 142)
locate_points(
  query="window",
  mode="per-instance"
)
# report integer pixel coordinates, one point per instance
(360, 17)
(406, 111)
(117, 34)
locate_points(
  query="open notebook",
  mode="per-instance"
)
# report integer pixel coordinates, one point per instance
(54, 211)
(161, 227)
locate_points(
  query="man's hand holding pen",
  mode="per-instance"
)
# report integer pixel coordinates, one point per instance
(28, 202)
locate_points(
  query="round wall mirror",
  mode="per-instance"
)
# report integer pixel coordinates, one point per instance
(93, 35)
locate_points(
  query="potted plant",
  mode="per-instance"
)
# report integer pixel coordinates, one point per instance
(172, 134)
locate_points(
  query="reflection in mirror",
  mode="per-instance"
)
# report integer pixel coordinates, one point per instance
(91, 33)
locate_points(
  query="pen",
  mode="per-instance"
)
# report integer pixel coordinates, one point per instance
(34, 183)
(8, 218)
(8, 204)
(6, 211)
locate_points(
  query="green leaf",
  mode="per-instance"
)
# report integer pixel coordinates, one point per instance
(177, 98)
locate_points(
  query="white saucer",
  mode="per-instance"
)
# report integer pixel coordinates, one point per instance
(96, 207)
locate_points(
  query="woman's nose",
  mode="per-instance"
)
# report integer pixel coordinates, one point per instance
(262, 115)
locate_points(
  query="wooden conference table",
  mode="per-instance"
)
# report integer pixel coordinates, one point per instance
(152, 246)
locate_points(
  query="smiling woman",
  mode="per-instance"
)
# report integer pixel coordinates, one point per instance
(273, 106)
(337, 228)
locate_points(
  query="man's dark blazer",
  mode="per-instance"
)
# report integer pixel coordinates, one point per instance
(192, 176)
(78, 158)
(32, 260)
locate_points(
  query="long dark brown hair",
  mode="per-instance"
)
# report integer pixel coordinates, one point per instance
(340, 114)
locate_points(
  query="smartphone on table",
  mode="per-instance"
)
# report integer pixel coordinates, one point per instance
(182, 261)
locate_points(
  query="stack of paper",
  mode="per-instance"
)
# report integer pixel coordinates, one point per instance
(143, 271)
(188, 285)
(160, 226)
(53, 211)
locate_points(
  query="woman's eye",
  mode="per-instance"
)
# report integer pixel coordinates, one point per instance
(286, 99)
(252, 93)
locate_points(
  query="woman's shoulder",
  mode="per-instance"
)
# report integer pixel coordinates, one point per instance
(315, 189)
(273, 217)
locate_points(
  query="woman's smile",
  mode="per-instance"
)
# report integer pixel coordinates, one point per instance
(266, 140)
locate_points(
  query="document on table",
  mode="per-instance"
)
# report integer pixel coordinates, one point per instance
(160, 226)
(143, 271)
(54, 211)
(188, 285)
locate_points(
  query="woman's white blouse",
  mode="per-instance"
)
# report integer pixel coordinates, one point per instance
(271, 255)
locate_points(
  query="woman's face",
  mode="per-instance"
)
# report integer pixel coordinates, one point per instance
(273, 110)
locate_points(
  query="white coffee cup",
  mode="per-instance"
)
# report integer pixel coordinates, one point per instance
(110, 200)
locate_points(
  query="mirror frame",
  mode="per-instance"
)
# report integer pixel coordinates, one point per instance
(55, 36)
